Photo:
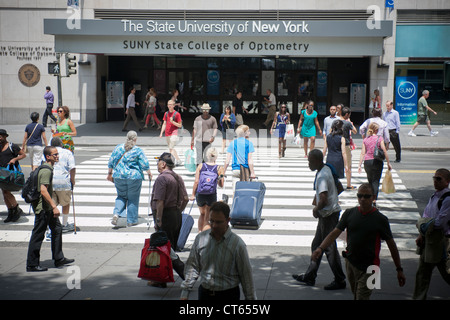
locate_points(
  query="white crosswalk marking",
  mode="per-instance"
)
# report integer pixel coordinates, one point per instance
(286, 218)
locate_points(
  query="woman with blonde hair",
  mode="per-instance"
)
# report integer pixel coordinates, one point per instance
(207, 177)
(125, 169)
(372, 166)
(240, 154)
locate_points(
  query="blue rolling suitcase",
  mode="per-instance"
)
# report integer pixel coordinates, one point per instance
(247, 204)
(186, 226)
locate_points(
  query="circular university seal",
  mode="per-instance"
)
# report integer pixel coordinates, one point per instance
(29, 75)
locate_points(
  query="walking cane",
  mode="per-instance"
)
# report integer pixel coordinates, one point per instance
(73, 206)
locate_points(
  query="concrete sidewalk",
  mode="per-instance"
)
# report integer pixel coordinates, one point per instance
(110, 273)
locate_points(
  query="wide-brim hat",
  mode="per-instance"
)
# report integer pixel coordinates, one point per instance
(3, 133)
(206, 107)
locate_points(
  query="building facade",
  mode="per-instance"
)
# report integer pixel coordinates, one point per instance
(322, 50)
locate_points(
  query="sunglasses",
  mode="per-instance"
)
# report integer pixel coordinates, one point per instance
(438, 179)
(60, 111)
(365, 196)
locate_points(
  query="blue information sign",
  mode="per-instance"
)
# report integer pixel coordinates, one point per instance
(406, 99)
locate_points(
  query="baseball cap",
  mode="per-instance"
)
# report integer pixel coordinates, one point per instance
(167, 158)
(3, 133)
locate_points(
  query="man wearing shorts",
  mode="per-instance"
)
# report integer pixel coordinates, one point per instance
(63, 182)
(423, 115)
(172, 122)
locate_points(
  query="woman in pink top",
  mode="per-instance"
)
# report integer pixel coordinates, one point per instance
(373, 167)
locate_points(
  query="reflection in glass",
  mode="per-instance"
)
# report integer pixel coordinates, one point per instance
(305, 87)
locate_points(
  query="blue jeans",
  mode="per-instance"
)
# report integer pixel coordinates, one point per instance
(128, 194)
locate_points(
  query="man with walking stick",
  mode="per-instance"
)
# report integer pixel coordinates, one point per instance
(63, 182)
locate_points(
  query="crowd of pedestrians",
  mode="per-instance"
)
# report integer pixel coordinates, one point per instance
(218, 257)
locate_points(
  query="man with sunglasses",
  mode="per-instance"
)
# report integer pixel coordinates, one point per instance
(434, 238)
(46, 214)
(366, 227)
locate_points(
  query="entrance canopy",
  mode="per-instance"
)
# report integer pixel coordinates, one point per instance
(220, 38)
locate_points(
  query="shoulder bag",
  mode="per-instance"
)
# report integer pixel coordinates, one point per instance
(378, 153)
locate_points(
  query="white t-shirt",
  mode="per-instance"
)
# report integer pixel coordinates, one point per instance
(325, 182)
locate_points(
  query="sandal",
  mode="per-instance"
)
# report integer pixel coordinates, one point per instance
(351, 188)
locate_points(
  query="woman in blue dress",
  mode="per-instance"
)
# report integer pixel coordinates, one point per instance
(335, 147)
(282, 118)
(307, 126)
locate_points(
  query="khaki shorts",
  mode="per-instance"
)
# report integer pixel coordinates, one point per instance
(35, 154)
(348, 152)
(423, 119)
(62, 197)
(172, 141)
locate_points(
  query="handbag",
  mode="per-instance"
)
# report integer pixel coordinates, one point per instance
(190, 160)
(378, 153)
(155, 264)
(12, 179)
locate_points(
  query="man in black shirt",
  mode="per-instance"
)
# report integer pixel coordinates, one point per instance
(238, 108)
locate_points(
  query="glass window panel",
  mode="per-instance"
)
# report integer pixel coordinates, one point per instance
(322, 63)
(306, 63)
(230, 83)
(196, 83)
(268, 64)
(159, 80)
(250, 84)
(420, 74)
(251, 106)
(434, 75)
(176, 82)
(305, 87)
(284, 84)
(159, 62)
(214, 63)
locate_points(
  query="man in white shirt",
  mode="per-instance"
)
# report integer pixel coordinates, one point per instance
(131, 113)
(272, 104)
(327, 210)
(328, 121)
(63, 181)
(220, 259)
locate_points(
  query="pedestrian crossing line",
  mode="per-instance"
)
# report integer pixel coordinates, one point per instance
(121, 238)
(266, 224)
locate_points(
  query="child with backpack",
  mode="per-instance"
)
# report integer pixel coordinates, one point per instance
(204, 191)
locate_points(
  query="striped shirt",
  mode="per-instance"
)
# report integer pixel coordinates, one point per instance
(221, 265)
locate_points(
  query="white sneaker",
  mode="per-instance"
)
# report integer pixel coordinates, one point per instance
(411, 134)
(114, 220)
(434, 133)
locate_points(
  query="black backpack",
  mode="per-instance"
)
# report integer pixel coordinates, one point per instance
(30, 191)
